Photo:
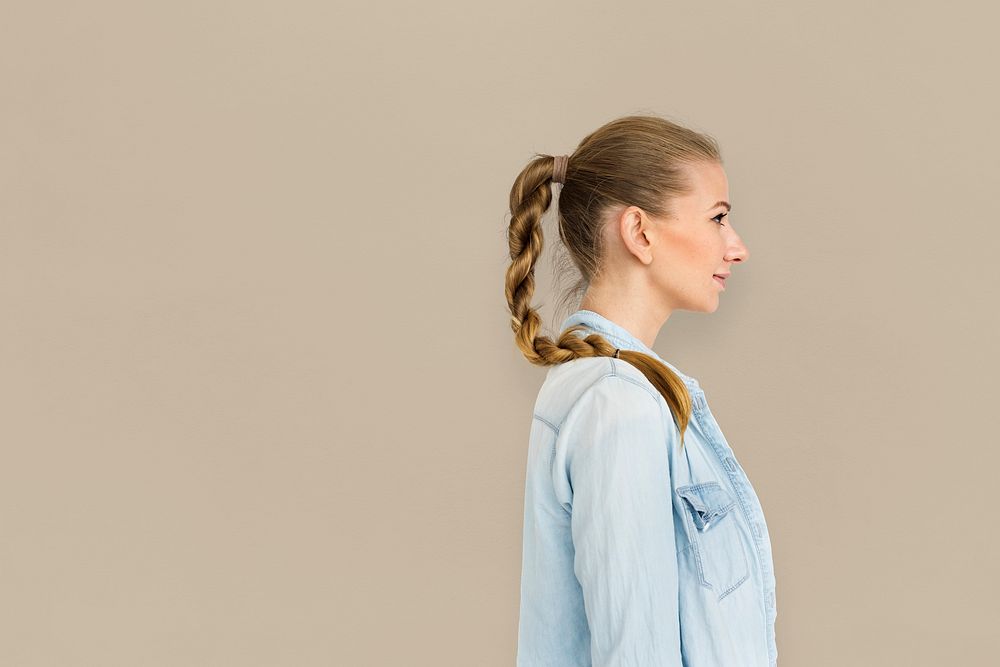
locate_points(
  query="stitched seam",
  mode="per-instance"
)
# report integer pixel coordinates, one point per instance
(738, 583)
(712, 439)
(547, 423)
(655, 396)
(696, 551)
(621, 342)
(704, 485)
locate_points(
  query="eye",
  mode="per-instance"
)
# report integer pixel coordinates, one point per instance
(719, 218)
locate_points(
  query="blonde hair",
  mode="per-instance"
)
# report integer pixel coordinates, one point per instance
(635, 160)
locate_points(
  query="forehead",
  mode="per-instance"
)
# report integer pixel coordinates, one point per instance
(709, 185)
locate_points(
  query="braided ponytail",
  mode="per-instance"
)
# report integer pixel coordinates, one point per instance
(634, 160)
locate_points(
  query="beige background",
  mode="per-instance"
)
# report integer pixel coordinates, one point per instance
(262, 405)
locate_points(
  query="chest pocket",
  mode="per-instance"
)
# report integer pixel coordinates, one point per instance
(714, 534)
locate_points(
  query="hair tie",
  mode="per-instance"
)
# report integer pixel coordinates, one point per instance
(616, 352)
(559, 168)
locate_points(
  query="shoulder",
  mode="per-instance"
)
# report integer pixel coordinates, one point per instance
(617, 426)
(594, 379)
(625, 396)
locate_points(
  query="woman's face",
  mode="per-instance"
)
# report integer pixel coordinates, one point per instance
(698, 242)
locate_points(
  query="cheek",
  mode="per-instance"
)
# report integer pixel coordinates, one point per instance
(695, 253)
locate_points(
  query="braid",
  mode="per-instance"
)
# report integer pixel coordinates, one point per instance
(530, 197)
(634, 159)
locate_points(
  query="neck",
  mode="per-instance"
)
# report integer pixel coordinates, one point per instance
(632, 314)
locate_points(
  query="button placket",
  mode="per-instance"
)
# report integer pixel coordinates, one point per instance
(750, 508)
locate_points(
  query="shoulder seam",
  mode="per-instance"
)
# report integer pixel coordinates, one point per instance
(546, 422)
(612, 373)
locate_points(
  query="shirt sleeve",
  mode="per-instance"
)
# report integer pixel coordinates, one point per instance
(622, 524)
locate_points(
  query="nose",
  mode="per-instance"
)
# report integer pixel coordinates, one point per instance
(737, 250)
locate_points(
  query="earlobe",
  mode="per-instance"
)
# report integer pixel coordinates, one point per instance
(642, 247)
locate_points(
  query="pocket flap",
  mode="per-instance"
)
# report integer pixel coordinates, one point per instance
(708, 502)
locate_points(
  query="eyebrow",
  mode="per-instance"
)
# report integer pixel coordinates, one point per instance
(721, 203)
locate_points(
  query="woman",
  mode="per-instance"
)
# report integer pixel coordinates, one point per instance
(644, 542)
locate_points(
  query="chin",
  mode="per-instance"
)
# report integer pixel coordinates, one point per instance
(709, 306)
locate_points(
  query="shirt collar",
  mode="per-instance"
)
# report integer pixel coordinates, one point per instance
(620, 337)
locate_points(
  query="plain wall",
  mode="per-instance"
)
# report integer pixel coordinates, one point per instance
(262, 404)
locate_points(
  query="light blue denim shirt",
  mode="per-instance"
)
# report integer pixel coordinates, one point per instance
(636, 553)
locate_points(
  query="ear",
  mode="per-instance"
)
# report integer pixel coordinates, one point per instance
(635, 228)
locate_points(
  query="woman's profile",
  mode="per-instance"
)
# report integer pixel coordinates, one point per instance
(644, 542)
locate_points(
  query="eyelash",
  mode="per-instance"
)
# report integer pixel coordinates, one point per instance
(718, 218)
